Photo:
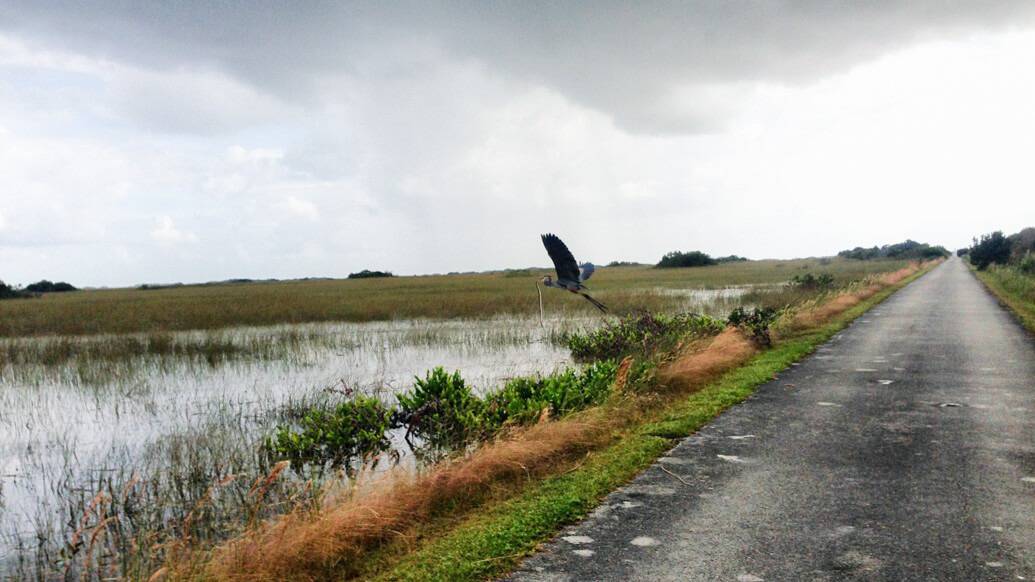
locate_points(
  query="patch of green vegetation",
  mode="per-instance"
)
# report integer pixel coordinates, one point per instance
(640, 335)
(1014, 288)
(493, 540)
(354, 427)
(813, 282)
(442, 411)
(523, 400)
(757, 322)
(990, 249)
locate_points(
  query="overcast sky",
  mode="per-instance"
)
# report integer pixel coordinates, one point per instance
(192, 141)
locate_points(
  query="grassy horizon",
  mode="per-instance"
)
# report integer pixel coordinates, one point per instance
(206, 307)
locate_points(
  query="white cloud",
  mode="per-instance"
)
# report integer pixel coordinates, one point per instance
(3, 222)
(165, 231)
(302, 208)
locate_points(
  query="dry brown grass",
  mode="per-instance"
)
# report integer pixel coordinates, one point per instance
(813, 315)
(312, 546)
(727, 350)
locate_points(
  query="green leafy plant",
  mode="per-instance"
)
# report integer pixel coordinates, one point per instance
(353, 428)
(522, 400)
(990, 249)
(640, 334)
(756, 322)
(813, 282)
(441, 410)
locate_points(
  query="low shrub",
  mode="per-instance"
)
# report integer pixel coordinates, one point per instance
(813, 282)
(990, 249)
(756, 322)
(522, 400)
(640, 335)
(354, 428)
(441, 410)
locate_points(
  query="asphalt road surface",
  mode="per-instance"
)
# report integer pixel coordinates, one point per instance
(904, 449)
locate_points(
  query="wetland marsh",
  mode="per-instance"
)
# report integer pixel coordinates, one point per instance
(132, 420)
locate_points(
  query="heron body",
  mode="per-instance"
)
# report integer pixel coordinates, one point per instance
(570, 275)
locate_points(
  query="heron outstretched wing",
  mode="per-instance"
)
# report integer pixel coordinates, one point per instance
(563, 261)
(586, 271)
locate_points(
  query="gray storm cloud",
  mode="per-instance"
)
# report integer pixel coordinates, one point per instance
(657, 67)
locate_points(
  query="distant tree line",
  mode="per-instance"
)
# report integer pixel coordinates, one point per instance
(623, 264)
(33, 290)
(995, 248)
(46, 286)
(688, 259)
(731, 259)
(910, 249)
(368, 274)
(694, 259)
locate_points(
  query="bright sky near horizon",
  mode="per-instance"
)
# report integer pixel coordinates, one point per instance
(195, 141)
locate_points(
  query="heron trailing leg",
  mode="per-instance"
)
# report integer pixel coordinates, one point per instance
(597, 304)
(540, 292)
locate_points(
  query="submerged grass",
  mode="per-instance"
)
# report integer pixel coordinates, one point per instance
(383, 530)
(624, 290)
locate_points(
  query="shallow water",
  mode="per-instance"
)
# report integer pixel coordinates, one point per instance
(63, 427)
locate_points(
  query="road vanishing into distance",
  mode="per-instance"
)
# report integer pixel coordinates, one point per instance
(903, 449)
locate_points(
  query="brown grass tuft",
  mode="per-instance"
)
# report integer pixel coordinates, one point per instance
(727, 350)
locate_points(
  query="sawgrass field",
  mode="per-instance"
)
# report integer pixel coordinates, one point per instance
(206, 307)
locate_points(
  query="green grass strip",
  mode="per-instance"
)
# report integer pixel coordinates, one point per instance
(1021, 306)
(494, 539)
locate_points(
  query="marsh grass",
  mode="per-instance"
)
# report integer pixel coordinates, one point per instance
(624, 290)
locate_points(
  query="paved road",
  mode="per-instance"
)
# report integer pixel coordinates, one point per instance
(904, 449)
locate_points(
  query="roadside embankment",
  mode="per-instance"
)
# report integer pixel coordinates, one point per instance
(1014, 289)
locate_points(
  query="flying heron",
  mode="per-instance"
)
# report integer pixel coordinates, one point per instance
(569, 274)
